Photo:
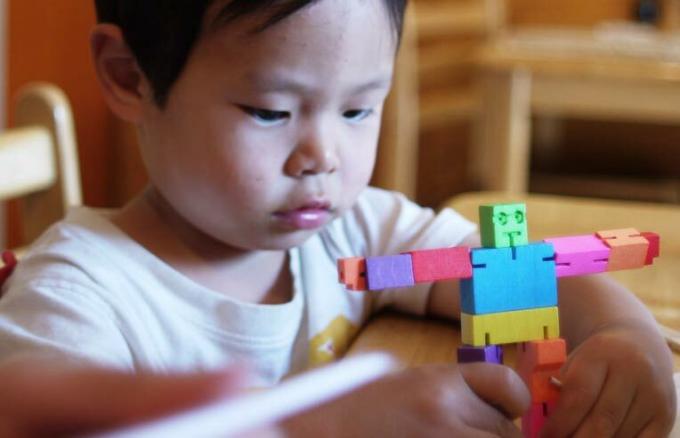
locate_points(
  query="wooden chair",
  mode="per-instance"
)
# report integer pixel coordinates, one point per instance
(658, 286)
(39, 159)
(433, 78)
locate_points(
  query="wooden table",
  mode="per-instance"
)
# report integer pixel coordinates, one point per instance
(568, 73)
(658, 286)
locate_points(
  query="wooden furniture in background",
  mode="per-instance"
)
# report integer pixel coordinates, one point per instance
(39, 159)
(588, 66)
(658, 286)
(568, 73)
(434, 90)
(571, 13)
(397, 158)
(670, 15)
(49, 42)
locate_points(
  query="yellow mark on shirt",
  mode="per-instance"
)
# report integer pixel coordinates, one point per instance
(332, 342)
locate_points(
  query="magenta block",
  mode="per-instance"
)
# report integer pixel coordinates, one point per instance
(389, 271)
(488, 354)
(579, 255)
(534, 419)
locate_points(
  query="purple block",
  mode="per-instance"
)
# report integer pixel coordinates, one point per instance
(389, 271)
(488, 354)
(579, 255)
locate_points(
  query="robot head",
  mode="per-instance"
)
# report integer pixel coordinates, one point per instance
(503, 225)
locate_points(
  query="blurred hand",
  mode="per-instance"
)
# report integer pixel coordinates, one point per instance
(471, 400)
(46, 399)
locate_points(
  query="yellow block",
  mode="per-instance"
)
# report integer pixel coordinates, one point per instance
(510, 327)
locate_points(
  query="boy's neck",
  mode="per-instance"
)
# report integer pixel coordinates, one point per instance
(254, 276)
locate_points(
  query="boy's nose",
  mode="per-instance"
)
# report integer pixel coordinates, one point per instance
(313, 156)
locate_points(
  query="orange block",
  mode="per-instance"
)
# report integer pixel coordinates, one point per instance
(628, 248)
(540, 385)
(537, 363)
(352, 273)
(549, 353)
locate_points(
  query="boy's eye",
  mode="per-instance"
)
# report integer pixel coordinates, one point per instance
(265, 116)
(357, 115)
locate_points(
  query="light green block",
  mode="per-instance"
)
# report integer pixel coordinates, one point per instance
(503, 225)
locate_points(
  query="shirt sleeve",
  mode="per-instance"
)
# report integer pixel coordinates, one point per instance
(387, 223)
(63, 320)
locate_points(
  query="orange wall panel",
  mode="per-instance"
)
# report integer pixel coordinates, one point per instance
(49, 41)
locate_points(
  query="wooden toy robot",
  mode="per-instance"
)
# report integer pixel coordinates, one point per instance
(509, 290)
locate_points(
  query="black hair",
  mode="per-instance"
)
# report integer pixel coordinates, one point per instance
(162, 33)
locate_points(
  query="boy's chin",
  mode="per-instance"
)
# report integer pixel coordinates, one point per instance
(284, 241)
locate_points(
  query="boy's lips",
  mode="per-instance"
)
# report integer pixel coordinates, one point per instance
(308, 216)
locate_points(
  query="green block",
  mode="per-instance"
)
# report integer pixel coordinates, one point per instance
(503, 225)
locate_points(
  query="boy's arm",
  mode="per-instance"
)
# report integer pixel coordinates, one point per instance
(591, 303)
(618, 378)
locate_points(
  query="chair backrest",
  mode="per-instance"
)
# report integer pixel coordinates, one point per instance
(39, 159)
(434, 84)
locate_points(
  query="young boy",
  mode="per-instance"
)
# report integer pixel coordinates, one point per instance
(258, 123)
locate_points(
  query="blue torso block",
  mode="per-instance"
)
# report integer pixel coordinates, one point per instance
(507, 279)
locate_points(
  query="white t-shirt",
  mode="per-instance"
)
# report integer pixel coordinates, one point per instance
(86, 291)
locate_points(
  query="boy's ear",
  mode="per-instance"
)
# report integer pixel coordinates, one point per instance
(123, 83)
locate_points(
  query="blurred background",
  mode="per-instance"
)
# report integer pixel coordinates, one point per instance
(574, 97)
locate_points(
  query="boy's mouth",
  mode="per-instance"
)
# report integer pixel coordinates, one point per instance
(308, 216)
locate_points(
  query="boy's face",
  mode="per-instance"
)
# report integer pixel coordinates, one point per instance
(268, 136)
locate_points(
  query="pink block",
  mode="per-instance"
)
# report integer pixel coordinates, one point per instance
(578, 255)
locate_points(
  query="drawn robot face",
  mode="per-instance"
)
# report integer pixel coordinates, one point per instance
(503, 225)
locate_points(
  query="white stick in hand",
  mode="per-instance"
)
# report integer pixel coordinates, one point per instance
(243, 413)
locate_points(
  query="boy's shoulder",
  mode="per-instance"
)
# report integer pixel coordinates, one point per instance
(385, 222)
(74, 249)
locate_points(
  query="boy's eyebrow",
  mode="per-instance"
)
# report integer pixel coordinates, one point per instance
(278, 85)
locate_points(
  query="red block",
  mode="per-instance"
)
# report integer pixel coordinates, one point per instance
(352, 273)
(534, 419)
(441, 264)
(654, 246)
(10, 261)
